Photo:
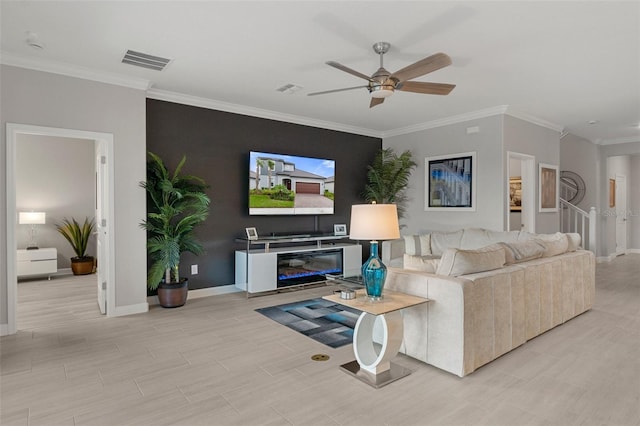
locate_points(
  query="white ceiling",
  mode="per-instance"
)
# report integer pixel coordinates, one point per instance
(565, 63)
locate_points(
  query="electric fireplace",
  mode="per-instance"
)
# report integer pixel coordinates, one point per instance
(308, 267)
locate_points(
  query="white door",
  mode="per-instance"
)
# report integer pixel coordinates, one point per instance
(621, 214)
(101, 223)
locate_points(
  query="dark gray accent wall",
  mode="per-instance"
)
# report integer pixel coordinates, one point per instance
(217, 146)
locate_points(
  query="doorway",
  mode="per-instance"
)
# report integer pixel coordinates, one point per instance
(621, 214)
(521, 171)
(103, 146)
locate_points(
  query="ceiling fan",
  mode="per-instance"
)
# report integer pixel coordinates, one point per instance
(383, 84)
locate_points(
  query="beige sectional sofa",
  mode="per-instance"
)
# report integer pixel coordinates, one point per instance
(490, 291)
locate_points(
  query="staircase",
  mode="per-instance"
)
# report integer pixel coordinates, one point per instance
(573, 218)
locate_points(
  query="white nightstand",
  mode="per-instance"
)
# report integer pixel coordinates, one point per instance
(43, 261)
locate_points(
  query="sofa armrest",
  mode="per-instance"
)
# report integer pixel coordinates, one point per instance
(435, 331)
(393, 251)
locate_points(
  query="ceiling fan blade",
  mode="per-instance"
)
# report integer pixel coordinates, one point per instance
(348, 70)
(422, 67)
(375, 101)
(336, 90)
(424, 87)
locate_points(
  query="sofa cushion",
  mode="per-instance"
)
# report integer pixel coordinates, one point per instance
(554, 244)
(440, 241)
(574, 239)
(417, 245)
(521, 251)
(474, 238)
(421, 263)
(456, 262)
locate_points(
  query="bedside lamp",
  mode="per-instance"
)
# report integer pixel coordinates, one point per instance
(33, 219)
(374, 222)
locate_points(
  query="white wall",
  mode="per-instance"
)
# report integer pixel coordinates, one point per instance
(51, 100)
(544, 144)
(581, 156)
(57, 176)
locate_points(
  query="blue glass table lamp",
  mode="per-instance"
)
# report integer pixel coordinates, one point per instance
(374, 222)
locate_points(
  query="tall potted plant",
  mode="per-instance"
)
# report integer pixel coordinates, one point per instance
(176, 204)
(78, 236)
(388, 178)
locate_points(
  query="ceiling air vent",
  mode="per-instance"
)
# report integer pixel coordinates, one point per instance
(289, 88)
(146, 61)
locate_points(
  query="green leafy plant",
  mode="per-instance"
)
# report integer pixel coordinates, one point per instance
(388, 179)
(77, 235)
(176, 205)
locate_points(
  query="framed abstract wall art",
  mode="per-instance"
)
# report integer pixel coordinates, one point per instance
(450, 182)
(547, 188)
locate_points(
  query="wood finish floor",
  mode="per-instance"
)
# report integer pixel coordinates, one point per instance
(217, 362)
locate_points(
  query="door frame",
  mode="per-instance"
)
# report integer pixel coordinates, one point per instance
(621, 224)
(528, 174)
(12, 132)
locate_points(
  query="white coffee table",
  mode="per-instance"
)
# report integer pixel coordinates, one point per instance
(373, 365)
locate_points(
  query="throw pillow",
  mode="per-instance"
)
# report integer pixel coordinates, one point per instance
(554, 244)
(521, 251)
(574, 240)
(457, 262)
(417, 245)
(440, 241)
(421, 263)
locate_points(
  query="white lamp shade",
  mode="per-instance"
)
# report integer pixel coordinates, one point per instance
(31, 218)
(374, 222)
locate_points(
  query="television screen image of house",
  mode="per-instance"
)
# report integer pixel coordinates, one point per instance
(281, 184)
(450, 182)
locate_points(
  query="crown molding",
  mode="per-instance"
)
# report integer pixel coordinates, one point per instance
(164, 95)
(69, 70)
(629, 139)
(535, 120)
(474, 115)
(454, 119)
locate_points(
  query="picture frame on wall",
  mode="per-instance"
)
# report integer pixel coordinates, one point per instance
(339, 229)
(450, 182)
(612, 192)
(515, 194)
(548, 188)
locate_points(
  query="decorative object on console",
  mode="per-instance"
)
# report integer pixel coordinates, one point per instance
(339, 229)
(177, 204)
(33, 219)
(78, 236)
(388, 178)
(374, 222)
(451, 182)
(548, 196)
(252, 234)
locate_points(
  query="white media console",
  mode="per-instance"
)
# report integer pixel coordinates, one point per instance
(268, 268)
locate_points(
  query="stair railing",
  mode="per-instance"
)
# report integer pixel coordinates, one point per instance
(574, 219)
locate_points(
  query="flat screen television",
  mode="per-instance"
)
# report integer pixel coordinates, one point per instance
(281, 184)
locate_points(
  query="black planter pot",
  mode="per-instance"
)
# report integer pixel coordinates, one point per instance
(173, 295)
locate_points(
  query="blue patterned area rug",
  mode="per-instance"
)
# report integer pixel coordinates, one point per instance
(324, 321)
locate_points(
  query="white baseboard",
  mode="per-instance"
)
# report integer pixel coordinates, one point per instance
(138, 308)
(609, 258)
(202, 292)
(4, 329)
(633, 251)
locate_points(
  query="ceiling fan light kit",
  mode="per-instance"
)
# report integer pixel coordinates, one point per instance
(383, 84)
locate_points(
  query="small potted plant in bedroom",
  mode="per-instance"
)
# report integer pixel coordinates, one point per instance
(176, 204)
(78, 236)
